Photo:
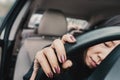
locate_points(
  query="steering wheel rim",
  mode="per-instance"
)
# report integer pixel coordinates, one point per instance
(94, 37)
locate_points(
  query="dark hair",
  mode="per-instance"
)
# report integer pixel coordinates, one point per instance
(112, 21)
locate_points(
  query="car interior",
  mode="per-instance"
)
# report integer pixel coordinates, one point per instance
(46, 33)
(20, 45)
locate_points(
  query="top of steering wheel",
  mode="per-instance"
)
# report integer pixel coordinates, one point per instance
(94, 37)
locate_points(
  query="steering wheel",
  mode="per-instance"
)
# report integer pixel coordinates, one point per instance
(86, 40)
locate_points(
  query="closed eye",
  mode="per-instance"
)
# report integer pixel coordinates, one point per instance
(109, 44)
(106, 44)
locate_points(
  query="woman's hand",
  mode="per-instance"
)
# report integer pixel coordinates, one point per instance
(48, 60)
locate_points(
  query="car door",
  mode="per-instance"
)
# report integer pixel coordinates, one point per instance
(10, 23)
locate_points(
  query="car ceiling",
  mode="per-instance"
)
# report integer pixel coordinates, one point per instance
(84, 9)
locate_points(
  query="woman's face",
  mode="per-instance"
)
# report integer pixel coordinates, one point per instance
(96, 54)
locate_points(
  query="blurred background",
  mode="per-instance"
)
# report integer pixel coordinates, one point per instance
(5, 6)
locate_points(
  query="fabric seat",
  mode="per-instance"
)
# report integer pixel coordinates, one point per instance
(53, 25)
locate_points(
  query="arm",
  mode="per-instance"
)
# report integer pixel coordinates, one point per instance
(48, 60)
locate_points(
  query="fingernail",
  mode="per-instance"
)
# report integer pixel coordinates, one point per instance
(62, 58)
(50, 75)
(57, 70)
(54, 70)
(73, 39)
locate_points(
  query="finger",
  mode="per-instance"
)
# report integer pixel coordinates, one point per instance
(36, 65)
(67, 64)
(52, 58)
(44, 64)
(68, 38)
(33, 75)
(60, 50)
(35, 70)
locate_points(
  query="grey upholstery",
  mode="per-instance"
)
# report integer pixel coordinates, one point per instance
(33, 44)
(53, 24)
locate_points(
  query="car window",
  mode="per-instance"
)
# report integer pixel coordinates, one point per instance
(35, 20)
(76, 23)
(5, 6)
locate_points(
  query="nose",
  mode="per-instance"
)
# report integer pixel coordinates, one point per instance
(99, 60)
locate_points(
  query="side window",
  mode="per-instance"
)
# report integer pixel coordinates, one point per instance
(35, 20)
(74, 23)
(33, 24)
(5, 6)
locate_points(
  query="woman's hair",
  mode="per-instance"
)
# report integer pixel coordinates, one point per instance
(112, 21)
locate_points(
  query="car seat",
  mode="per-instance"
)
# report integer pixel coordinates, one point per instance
(53, 25)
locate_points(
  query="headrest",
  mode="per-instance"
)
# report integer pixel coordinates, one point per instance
(53, 23)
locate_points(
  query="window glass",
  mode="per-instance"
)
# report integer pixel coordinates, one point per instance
(76, 23)
(5, 6)
(35, 20)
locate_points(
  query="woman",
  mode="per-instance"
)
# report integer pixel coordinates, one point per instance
(84, 64)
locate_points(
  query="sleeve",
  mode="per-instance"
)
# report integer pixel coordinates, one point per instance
(40, 75)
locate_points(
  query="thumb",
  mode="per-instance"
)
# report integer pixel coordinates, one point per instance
(67, 64)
